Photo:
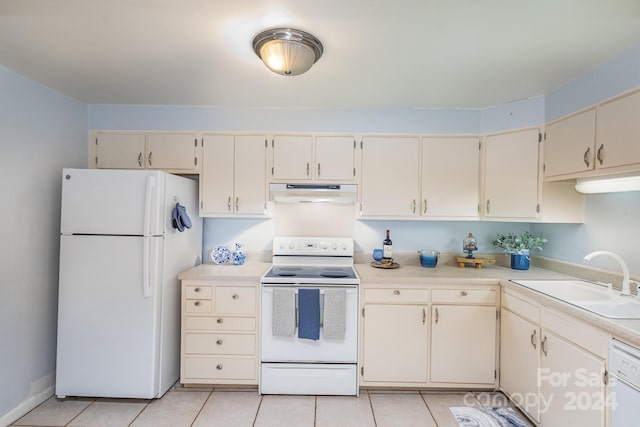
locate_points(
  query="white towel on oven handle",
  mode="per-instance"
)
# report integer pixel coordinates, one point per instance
(334, 322)
(283, 322)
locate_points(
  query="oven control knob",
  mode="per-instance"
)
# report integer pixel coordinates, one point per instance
(344, 246)
(281, 245)
(292, 245)
(324, 246)
(334, 246)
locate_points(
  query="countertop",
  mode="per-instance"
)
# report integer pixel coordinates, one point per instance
(444, 273)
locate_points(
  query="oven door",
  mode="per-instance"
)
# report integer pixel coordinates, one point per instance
(294, 349)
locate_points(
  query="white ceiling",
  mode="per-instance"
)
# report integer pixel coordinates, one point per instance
(378, 53)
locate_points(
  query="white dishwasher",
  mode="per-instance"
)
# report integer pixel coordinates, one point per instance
(624, 367)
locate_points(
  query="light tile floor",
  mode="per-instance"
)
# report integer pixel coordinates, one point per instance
(225, 408)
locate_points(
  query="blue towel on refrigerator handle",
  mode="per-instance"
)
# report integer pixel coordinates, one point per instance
(309, 314)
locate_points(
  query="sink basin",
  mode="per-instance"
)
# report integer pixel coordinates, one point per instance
(587, 295)
(614, 310)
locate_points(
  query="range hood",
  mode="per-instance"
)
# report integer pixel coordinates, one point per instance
(313, 193)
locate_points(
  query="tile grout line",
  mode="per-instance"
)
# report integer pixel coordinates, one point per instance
(315, 411)
(255, 418)
(428, 408)
(78, 414)
(373, 414)
(202, 407)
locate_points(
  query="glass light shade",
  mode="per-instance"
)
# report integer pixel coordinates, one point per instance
(287, 51)
(287, 57)
(608, 185)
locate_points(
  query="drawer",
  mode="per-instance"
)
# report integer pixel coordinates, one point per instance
(199, 323)
(464, 296)
(582, 334)
(397, 295)
(198, 306)
(222, 368)
(198, 292)
(235, 300)
(520, 307)
(220, 344)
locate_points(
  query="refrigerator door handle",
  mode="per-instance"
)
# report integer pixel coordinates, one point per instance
(146, 285)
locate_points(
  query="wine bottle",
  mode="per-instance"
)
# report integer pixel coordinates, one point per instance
(386, 248)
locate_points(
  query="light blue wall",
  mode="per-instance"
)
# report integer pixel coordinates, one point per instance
(154, 117)
(603, 82)
(41, 131)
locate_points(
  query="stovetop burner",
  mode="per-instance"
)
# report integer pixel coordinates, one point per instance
(317, 273)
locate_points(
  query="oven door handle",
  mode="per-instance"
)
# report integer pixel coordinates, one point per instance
(618, 377)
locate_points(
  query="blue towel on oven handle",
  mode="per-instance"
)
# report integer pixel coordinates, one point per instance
(309, 313)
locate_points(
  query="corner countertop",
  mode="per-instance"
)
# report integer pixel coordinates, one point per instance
(249, 271)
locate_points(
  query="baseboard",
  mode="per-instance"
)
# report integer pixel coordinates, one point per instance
(25, 406)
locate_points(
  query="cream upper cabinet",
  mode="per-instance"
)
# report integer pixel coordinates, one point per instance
(172, 152)
(569, 145)
(335, 158)
(323, 158)
(459, 353)
(450, 175)
(520, 361)
(390, 176)
(394, 343)
(511, 175)
(292, 158)
(120, 151)
(233, 178)
(618, 133)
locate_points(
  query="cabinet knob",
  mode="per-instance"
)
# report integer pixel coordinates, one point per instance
(533, 340)
(219, 342)
(219, 367)
(599, 154)
(543, 345)
(396, 292)
(197, 303)
(220, 321)
(150, 158)
(197, 290)
(235, 296)
(586, 157)
(464, 293)
(237, 204)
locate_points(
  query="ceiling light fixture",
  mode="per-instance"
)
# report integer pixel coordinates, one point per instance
(287, 51)
(608, 185)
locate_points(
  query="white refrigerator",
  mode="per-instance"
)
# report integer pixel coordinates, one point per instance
(119, 295)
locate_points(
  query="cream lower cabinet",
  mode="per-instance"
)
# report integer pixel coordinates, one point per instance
(394, 342)
(219, 341)
(428, 337)
(520, 354)
(553, 365)
(463, 337)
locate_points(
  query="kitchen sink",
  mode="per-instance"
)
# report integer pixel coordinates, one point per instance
(587, 295)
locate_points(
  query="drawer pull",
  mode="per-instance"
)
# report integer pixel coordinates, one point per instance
(219, 367)
(220, 321)
(437, 316)
(197, 290)
(235, 296)
(464, 293)
(197, 303)
(396, 292)
(219, 342)
(543, 346)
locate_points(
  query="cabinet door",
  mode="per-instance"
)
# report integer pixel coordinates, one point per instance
(520, 361)
(511, 175)
(292, 158)
(216, 179)
(460, 353)
(172, 151)
(450, 174)
(120, 151)
(571, 384)
(570, 144)
(335, 158)
(395, 343)
(618, 132)
(250, 175)
(390, 176)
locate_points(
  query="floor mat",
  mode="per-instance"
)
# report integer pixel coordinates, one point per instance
(488, 417)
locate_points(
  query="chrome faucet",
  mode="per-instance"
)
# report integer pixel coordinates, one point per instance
(626, 286)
